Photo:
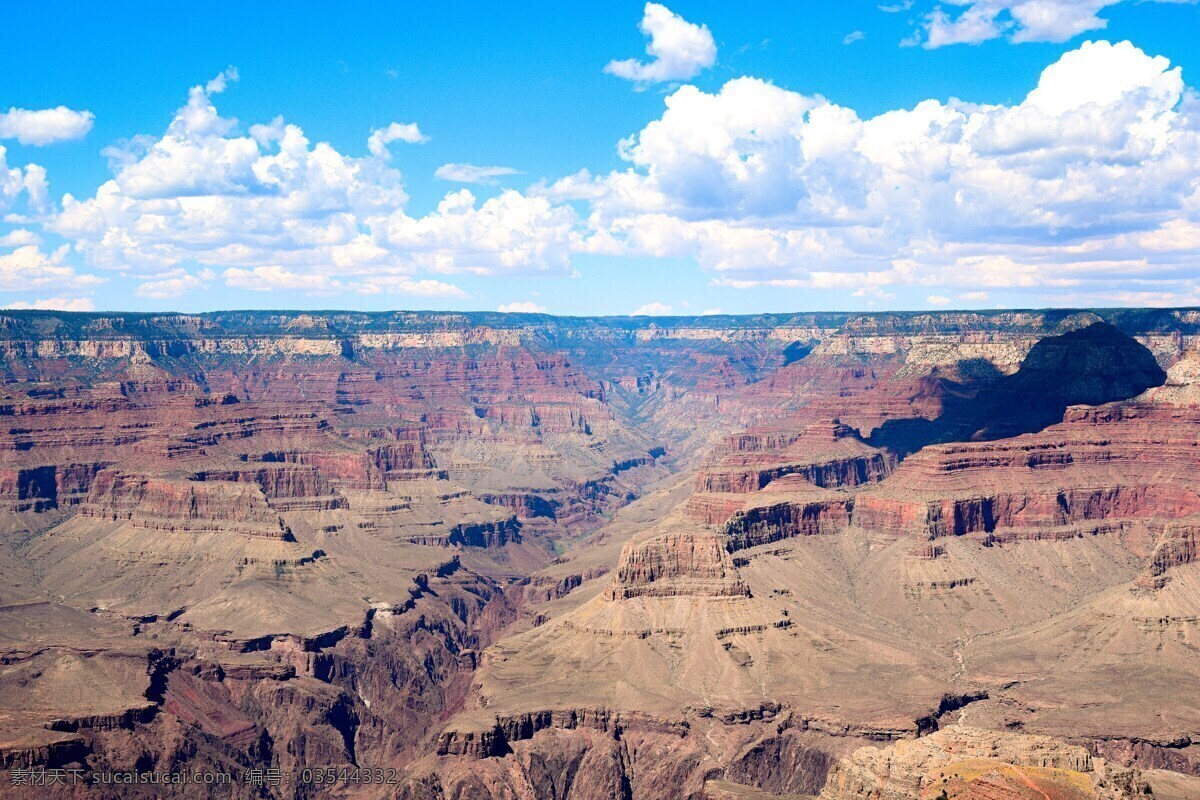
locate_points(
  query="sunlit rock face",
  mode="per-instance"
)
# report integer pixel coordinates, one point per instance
(877, 556)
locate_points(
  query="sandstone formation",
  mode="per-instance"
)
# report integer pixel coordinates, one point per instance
(870, 556)
(963, 762)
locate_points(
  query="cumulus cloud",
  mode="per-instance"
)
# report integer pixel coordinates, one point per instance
(507, 234)
(276, 211)
(265, 279)
(1020, 20)
(938, 300)
(679, 49)
(29, 267)
(22, 184)
(45, 126)
(469, 173)
(1086, 187)
(55, 304)
(19, 237)
(176, 283)
(1089, 181)
(853, 36)
(652, 310)
(524, 307)
(222, 80)
(378, 141)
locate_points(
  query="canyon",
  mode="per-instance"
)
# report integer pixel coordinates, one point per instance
(483, 556)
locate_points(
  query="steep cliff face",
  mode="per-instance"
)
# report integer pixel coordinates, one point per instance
(780, 519)
(676, 563)
(544, 558)
(826, 454)
(1131, 461)
(164, 504)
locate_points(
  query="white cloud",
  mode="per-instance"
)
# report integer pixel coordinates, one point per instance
(938, 300)
(1021, 20)
(708, 312)
(392, 284)
(221, 82)
(469, 173)
(652, 310)
(378, 141)
(1089, 185)
(19, 237)
(278, 212)
(507, 234)
(1090, 180)
(28, 267)
(853, 36)
(55, 304)
(17, 183)
(45, 126)
(974, 297)
(679, 49)
(173, 284)
(974, 25)
(265, 279)
(1103, 75)
(525, 307)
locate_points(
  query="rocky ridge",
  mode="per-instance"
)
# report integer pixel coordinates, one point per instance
(523, 556)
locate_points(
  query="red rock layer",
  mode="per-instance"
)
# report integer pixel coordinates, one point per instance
(672, 564)
(1109, 463)
(165, 504)
(763, 524)
(826, 454)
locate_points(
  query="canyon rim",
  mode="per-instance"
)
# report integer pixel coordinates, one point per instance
(484, 555)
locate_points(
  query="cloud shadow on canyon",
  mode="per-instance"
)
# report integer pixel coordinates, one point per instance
(1090, 366)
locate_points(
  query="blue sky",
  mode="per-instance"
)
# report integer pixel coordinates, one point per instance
(761, 170)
